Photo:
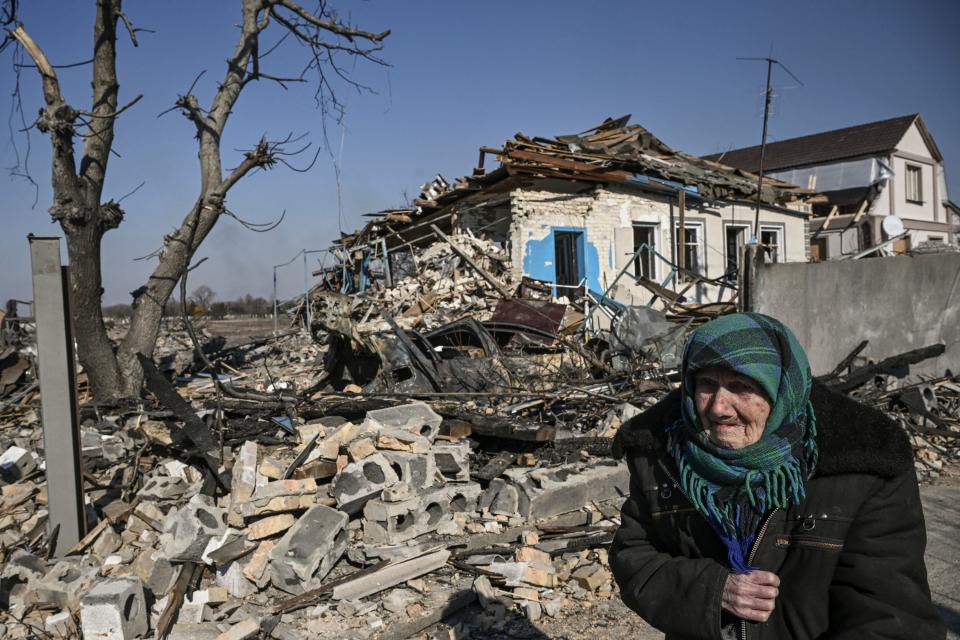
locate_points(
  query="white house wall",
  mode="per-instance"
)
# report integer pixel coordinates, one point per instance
(606, 216)
(912, 150)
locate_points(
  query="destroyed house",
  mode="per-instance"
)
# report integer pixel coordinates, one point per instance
(882, 181)
(613, 213)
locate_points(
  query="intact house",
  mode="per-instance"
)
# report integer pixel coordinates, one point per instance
(882, 181)
(611, 206)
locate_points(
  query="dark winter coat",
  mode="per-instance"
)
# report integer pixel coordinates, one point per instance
(849, 557)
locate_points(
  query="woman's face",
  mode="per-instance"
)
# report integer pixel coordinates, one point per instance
(732, 408)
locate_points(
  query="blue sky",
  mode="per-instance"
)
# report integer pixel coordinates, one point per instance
(463, 75)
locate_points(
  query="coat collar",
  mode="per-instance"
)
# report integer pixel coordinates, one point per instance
(851, 437)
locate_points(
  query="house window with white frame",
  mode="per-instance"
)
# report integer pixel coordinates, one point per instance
(692, 247)
(914, 190)
(644, 248)
(772, 238)
(735, 237)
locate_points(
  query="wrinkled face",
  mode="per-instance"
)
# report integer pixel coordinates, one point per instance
(733, 409)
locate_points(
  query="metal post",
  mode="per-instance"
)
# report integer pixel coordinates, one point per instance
(306, 293)
(386, 257)
(763, 149)
(274, 299)
(58, 394)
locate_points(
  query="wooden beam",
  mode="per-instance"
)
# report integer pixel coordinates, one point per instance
(480, 270)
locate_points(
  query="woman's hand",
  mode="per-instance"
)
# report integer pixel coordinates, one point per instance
(751, 596)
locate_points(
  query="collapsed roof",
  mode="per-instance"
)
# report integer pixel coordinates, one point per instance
(613, 152)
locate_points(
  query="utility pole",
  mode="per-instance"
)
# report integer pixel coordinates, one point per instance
(768, 96)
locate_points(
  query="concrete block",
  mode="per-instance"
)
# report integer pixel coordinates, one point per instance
(60, 625)
(151, 515)
(543, 493)
(552, 605)
(418, 470)
(114, 609)
(362, 480)
(416, 417)
(156, 571)
(107, 542)
(310, 549)
(185, 535)
(232, 579)
(63, 585)
(191, 613)
(16, 463)
(453, 460)
(501, 498)
(241, 631)
(202, 631)
(161, 488)
(395, 522)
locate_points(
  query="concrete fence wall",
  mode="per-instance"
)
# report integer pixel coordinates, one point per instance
(898, 304)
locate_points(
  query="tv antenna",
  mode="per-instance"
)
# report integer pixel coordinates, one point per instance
(763, 140)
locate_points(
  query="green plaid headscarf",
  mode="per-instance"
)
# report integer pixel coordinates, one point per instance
(733, 488)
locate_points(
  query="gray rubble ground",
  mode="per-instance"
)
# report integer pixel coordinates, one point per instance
(400, 513)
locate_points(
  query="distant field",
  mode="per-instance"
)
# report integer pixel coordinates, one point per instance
(240, 329)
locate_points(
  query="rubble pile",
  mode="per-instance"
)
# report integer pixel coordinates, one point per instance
(342, 528)
(429, 451)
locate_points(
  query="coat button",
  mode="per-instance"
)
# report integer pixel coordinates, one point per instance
(808, 523)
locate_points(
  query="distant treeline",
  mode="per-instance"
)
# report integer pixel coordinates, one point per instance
(245, 306)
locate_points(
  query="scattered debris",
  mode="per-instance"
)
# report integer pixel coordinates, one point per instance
(433, 446)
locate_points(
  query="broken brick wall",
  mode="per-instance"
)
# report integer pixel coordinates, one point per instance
(606, 217)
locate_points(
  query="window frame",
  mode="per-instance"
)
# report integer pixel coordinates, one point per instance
(654, 230)
(744, 226)
(701, 244)
(910, 171)
(780, 255)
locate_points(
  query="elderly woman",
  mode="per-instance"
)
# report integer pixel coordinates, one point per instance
(763, 505)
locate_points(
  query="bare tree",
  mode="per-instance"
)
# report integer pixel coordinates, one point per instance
(78, 187)
(203, 296)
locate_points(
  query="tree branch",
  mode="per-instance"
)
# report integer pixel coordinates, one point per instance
(51, 86)
(332, 26)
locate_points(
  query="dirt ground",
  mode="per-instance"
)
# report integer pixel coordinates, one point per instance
(600, 619)
(239, 330)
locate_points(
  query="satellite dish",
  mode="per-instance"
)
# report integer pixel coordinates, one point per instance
(892, 226)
